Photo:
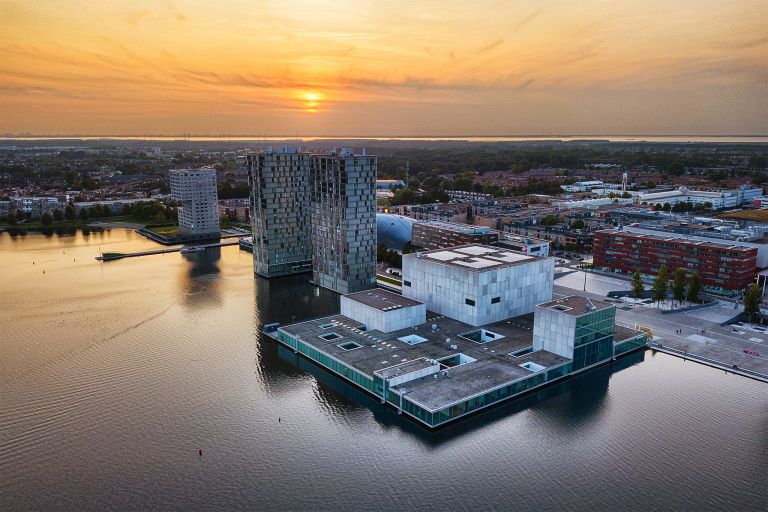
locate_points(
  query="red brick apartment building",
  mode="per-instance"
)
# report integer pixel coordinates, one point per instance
(724, 269)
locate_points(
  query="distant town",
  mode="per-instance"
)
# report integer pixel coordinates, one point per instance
(448, 253)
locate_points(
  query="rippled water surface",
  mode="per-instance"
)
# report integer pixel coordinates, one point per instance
(115, 374)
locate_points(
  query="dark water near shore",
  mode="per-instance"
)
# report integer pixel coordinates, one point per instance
(113, 375)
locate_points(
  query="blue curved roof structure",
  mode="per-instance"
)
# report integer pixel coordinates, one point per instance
(394, 231)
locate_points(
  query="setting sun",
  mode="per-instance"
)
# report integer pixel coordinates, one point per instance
(311, 101)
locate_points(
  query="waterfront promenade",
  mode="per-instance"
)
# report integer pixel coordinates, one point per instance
(110, 256)
(697, 335)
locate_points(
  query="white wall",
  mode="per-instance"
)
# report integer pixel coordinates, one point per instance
(445, 288)
(384, 321)
(554, 331)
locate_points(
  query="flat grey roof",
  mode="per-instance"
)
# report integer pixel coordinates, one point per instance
(494, 366)
(475, 257)
(575, 305)
(382, 299)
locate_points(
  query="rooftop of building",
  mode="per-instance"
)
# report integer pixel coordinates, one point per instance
(382, 300)
(491, 364)
(575, 305)
(523, 239)
(384, 353)
(455, 226)
(661, 236)
(475, 257)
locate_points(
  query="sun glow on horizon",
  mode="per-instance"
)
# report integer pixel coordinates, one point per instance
(365, 68)
(312, 101)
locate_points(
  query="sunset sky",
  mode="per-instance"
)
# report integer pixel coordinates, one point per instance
(375, 67)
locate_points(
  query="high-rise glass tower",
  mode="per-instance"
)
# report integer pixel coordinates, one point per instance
(195, 189)
(343, 211)
(279, 182)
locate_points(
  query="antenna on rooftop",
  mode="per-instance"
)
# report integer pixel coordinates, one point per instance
(407, 173)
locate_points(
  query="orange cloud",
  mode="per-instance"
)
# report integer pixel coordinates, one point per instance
(480, 67)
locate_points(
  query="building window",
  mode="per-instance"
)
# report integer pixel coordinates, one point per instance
(406, 283)
(495, 300)
(469, 302)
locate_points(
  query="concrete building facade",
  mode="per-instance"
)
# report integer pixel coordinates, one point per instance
(383, 310)
(342, 196)
(196, 190)
(430, 235)
(280, 213)
(477, 284)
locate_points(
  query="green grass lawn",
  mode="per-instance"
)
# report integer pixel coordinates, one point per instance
(387, 279)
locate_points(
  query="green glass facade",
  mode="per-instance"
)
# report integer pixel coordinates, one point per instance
(593, 341)
(641, 340)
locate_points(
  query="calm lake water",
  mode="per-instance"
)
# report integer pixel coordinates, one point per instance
(115, 374)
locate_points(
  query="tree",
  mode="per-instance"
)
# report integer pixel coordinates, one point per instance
(577, 224)
(46, 219)
(69, 212)
(667, 207)
(58, 215)
(105, 211)
(694, 288)
(638, 288)
(12, 220)
(659, 289)
(83, 214)
(549, 220)
(752, 301)
(678, 285)
(676, 167)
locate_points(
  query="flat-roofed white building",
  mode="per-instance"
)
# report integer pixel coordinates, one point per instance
(477, 284)
(382, 310)
(196, 190)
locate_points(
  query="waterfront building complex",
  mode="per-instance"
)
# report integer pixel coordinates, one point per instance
(725, 268)
(439, 235)
(315, 212)
(280, 212)
(477, 284)
(436, 368)
(195, 190)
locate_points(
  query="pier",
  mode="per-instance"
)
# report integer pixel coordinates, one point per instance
(731, 368)
(110, 256)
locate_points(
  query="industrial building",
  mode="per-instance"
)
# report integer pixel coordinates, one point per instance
(717, 198)
(195, 190)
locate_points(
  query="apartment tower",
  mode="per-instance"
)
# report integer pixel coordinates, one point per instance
(343, 205)
(195, 189)
(279, 182)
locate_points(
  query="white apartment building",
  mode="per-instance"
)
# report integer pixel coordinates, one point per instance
(195, 189)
